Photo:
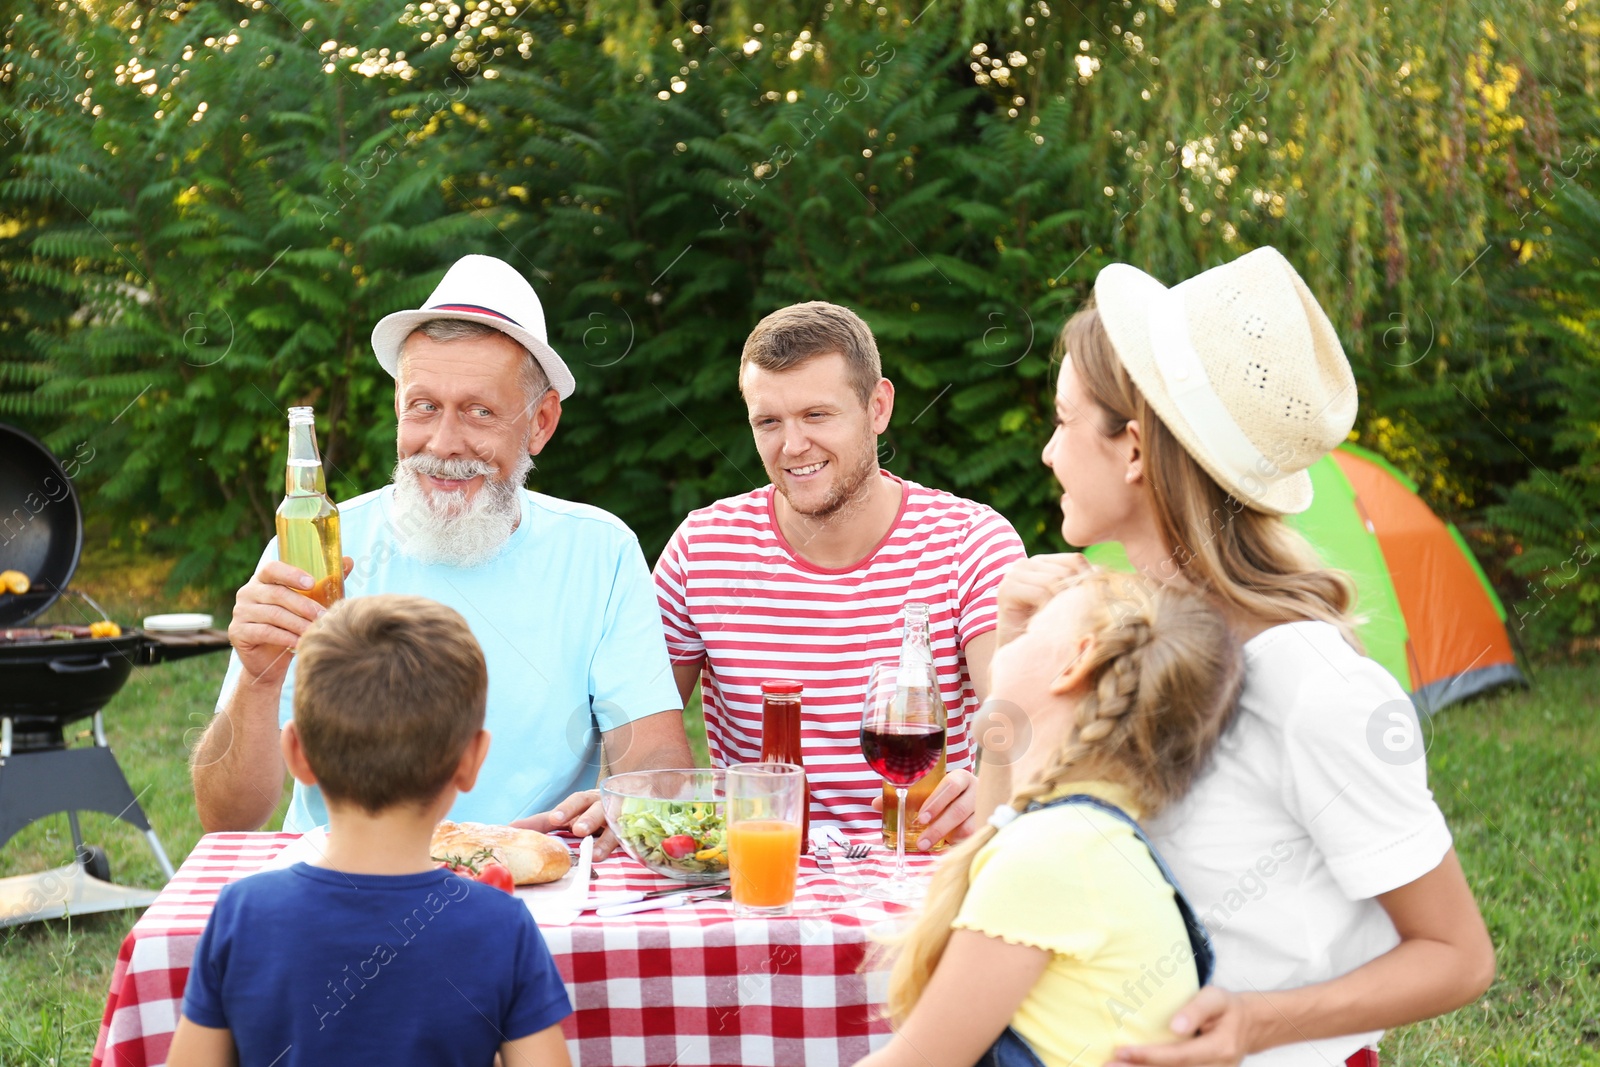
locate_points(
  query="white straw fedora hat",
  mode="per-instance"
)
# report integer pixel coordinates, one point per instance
(1242, 365)
(479, 289)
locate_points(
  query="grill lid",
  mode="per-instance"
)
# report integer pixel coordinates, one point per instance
(41, 525)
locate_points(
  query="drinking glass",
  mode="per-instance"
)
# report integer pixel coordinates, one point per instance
(902, 737)
(765, 809)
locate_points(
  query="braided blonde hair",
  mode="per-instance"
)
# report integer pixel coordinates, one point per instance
(1163, 674)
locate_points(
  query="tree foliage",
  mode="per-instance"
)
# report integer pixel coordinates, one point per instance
(1551, 514)
(205, 206)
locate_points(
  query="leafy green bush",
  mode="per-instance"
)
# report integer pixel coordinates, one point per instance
(1552, 512)
(203, 211)
(226, 244)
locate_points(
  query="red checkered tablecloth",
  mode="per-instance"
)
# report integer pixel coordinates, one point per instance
(693, 986)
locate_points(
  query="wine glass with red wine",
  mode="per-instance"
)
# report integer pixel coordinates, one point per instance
(902, 736)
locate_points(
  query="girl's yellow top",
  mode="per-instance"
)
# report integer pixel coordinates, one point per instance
(1077, 883)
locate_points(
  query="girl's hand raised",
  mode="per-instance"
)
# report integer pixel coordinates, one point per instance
(1029, 585)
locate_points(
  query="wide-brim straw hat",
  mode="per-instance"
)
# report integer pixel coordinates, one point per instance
(479, 289)
(1242, 365)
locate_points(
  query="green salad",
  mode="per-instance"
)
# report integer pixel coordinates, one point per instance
(682, 835)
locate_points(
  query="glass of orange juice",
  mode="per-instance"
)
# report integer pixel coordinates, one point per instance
(765, 809)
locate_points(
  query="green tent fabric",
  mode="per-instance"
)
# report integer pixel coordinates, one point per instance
(1411, 570)
(1335, 527)
(1340, 536)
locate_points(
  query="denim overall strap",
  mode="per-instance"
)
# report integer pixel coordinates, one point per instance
(1199, 939)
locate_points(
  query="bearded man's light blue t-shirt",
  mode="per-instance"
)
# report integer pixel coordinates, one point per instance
(567, 617)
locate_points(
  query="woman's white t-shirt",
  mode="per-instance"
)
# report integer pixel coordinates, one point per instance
(1315, 802)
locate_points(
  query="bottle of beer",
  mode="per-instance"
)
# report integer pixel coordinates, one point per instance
(780, 739)
(919, 689)
(308, 520)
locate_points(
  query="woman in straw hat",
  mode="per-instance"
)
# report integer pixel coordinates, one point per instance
(1311, 847)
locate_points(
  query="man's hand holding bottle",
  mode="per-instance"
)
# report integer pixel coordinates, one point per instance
(270, 613)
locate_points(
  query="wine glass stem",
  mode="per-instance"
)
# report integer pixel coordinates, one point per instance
(900, 835)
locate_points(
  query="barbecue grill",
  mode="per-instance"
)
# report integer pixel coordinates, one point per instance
(53, 677)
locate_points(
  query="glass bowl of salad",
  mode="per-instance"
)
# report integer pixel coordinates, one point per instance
(672, 821)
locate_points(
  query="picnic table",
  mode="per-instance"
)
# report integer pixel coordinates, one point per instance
(692, 986)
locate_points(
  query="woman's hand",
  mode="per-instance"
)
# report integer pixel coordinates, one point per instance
(1215, 1027)
(1029, 584)
(1444, 960)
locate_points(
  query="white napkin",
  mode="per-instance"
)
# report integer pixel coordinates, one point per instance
(559, 903)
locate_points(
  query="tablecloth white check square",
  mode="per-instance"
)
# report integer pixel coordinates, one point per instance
(693, 986)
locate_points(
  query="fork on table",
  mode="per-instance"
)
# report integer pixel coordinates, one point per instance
(829, 836)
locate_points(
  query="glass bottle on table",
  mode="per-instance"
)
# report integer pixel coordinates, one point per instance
(780, 739)
(919, 685)
(308, 519)
(900, 740)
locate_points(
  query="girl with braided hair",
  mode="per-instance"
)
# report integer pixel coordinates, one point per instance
(1186, 419)
(1055, 928)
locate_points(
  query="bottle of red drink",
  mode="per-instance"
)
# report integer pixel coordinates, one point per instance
(780, 738)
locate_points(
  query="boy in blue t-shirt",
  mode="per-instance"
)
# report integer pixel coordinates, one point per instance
(372, 955)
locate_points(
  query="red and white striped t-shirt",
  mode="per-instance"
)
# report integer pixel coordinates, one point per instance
(732, 591)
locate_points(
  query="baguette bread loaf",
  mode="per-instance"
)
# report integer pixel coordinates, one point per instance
(530, 856)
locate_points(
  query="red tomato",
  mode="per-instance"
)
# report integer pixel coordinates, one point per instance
(679, 846)
(497, 875)
(457, 868)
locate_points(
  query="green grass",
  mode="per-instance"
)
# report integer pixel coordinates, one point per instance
(1518, 776)
(54, 975)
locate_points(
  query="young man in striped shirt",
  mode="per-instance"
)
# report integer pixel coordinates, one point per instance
(807, 578)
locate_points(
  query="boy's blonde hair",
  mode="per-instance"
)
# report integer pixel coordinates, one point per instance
(389, 690)
(1163, 675)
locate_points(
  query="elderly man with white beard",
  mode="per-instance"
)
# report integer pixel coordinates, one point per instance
(557, 593)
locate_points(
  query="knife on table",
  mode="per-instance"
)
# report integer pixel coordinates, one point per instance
(677, 900)
(634, 896)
